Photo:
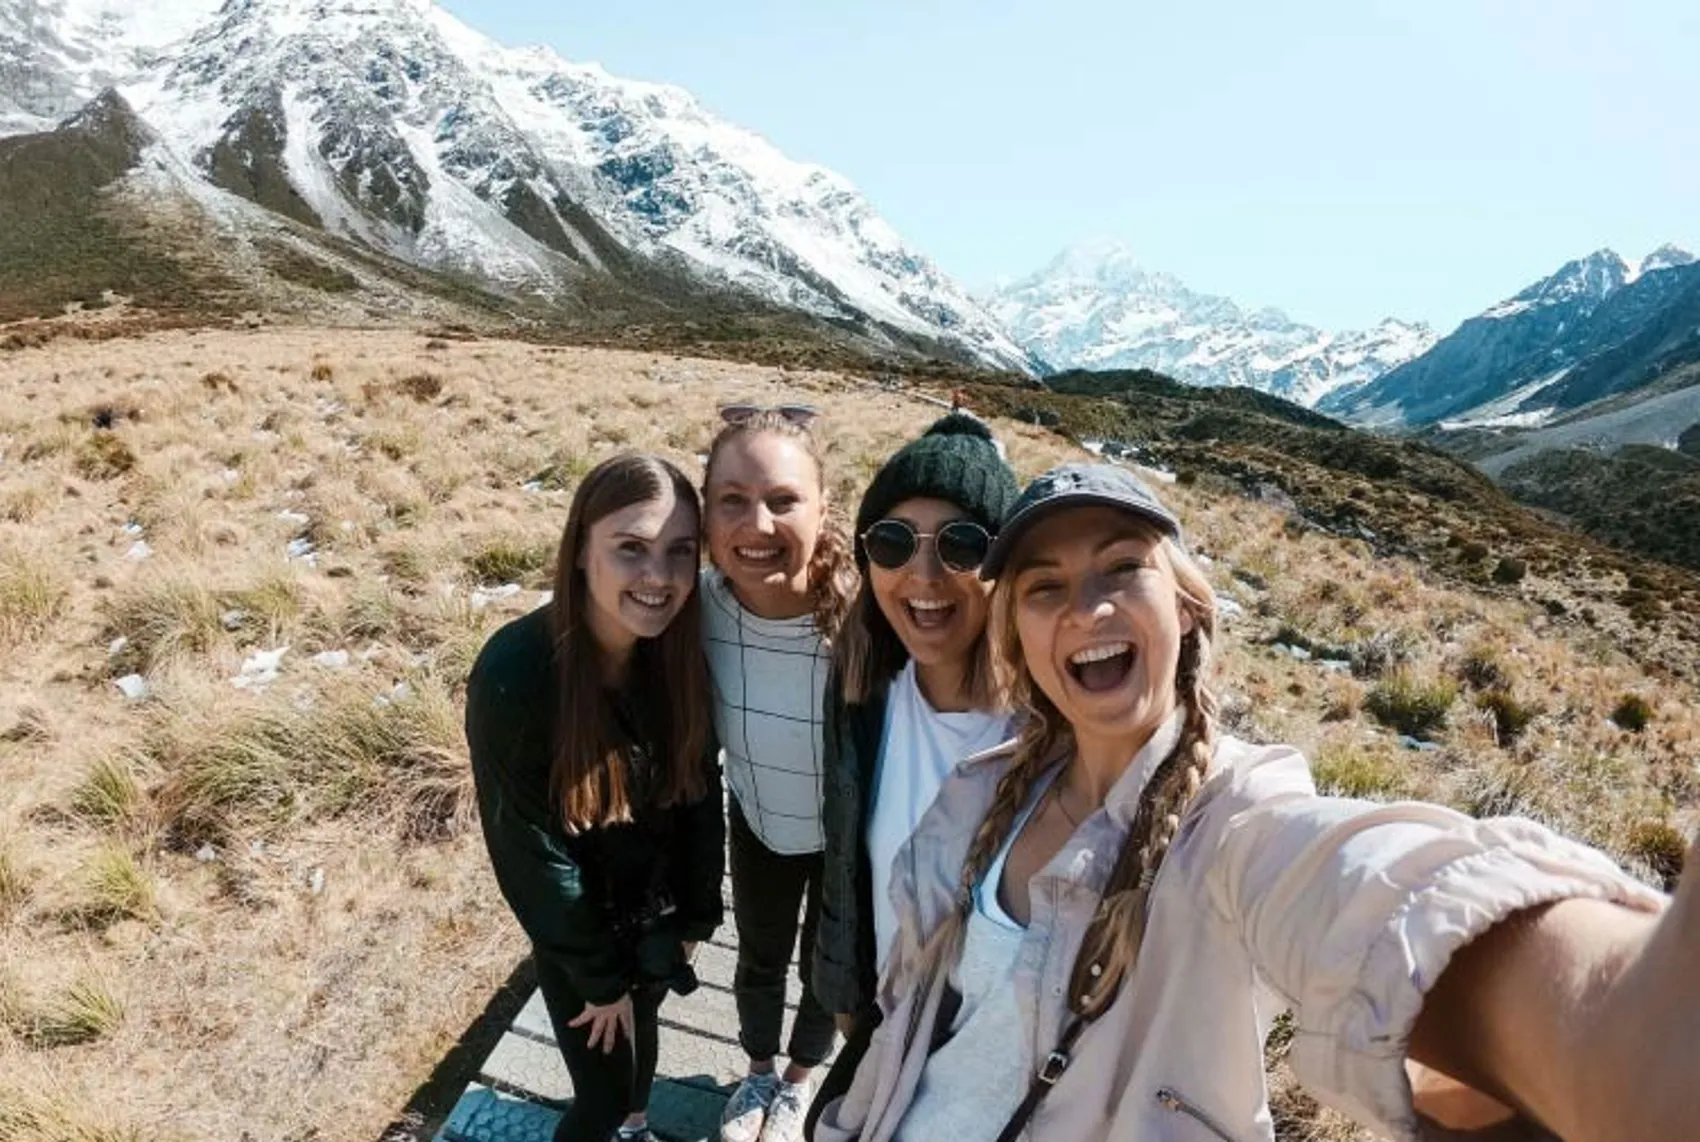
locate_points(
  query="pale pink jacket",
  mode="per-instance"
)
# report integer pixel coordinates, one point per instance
(1272, 898)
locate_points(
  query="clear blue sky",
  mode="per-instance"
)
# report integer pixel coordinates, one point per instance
(1343, 159)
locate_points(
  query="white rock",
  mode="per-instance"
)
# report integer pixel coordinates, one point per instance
(1228, 610)
(231, 475)
(139, 550)
(316, 881)
(132, 529)
(1335, 665)
(232, 620)
(301, 548)
(484, 596)
(260, 669)
(116, 646)
(206, 854)
(299, 519)
(133, 687)
(1299, 653)
(532, 486)
(334, 659)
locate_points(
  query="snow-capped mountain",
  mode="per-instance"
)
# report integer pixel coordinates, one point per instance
(391, 123)
(1095, 307)
(1595, 327)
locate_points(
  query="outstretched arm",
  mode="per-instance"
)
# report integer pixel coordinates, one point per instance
(1582, 1014)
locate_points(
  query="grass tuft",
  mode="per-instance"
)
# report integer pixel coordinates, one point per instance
(1351, 771)
(103, 456)
(1410, 703)
(109, 794)
(14, 884)
(508, 560)
(1662, 846)
(82, 1013)
(115, 888)
(31, 598)
(365, 751)
(162, 619)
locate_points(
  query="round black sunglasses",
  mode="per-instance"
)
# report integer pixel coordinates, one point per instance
(962, 544)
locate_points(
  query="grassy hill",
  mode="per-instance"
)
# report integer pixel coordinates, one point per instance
(251, 902)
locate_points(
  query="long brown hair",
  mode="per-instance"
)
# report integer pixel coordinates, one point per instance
(589, 776)
(832, 569)
(1112, 942)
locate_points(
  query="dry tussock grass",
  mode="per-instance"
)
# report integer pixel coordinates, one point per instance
(281, 872)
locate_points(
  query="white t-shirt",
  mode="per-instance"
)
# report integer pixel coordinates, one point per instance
(769, 682)
(972, 1084)
(918, 749)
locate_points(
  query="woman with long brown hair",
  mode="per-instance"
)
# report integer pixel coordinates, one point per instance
(593, 751)
(1099, 921)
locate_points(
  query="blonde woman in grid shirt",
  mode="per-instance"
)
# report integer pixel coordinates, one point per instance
(778, 586)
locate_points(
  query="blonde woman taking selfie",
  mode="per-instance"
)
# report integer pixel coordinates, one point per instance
(1099, 921)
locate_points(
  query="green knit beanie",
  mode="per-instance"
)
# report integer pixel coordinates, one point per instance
(956, 460)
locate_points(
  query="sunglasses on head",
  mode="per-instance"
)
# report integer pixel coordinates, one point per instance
(798, 414)
(962, 544)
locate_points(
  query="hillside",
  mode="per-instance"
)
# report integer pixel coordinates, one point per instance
(243, 573)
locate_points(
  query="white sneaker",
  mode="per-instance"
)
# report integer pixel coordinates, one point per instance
(785, 1114)
(746, 1110)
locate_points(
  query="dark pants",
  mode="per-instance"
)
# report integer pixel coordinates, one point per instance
(606, 1087)
(767, 891)
(837, 1081)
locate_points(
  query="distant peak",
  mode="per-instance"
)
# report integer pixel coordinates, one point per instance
(1665, 257)
(1095, 259)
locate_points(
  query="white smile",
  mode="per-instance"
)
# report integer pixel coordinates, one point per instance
(758, 554)
(931, 604)
(1099, 653)
(650, 600)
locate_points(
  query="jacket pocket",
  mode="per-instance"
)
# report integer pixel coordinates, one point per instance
(1186, 1121)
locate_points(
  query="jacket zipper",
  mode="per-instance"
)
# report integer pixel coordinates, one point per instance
(1171, 1101)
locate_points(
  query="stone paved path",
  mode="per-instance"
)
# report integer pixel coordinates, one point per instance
(523, 1083)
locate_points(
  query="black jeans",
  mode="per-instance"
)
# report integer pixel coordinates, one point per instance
(836, 1084)
(606, 1087)
(768, 888)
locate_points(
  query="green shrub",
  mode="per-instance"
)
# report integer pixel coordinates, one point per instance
(1662, 846)
(1510, 717)
(1633, 712)
(1510, 570)
(1412, 705)
(1473, 551)
(1482, 668)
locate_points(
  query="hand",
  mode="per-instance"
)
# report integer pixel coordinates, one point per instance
(690, 951)
(607, 1022)
(846, 1024)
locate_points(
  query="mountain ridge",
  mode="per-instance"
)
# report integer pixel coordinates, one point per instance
(391, 124)
(1094, 306)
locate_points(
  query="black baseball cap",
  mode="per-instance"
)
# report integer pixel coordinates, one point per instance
(1076, 486)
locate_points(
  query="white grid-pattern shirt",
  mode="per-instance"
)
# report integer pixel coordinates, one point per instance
(769, 684)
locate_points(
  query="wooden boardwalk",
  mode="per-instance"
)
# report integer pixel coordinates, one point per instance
(522, 1084)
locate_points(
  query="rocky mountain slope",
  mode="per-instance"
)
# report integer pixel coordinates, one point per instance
(1595, 327)
(390, 125)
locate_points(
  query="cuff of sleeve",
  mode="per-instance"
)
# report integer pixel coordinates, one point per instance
(1353, 1054)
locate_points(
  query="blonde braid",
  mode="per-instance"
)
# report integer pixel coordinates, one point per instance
(1112, 942)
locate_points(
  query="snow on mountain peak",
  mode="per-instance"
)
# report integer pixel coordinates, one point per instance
(393, 123)
(1664, 258)
(1094, 307)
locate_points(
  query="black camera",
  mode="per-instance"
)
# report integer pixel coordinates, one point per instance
(652, 934)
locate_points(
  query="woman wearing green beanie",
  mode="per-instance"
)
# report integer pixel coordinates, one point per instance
(912, 694)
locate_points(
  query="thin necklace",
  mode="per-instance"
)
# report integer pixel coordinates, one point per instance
(1056, 796)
